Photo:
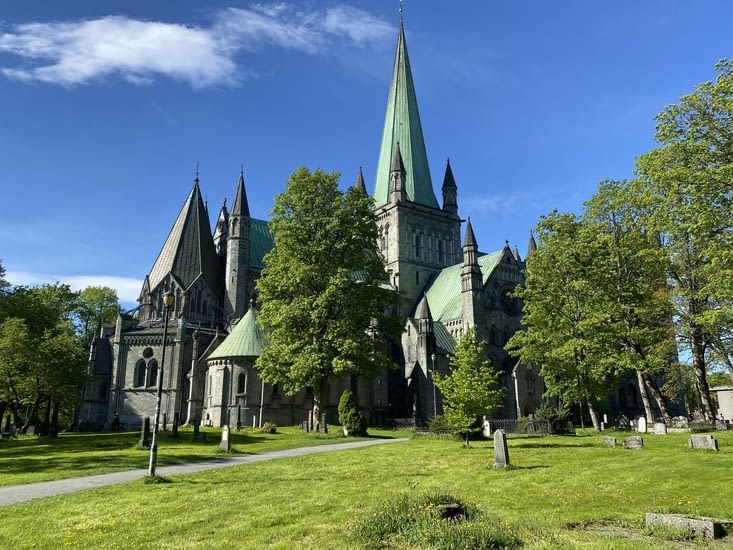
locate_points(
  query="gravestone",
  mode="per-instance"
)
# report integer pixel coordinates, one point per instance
(608, 441)
(703, 442)
(486, 428)
(145, 433)
(501, 451)
(322, 426)
(720, 425)
(660, 428)
(707, 528)
(175, 424)
(641, 425)
(225, 445)
(634, 442)
(305, 426)
(680, 423)
(197, 434)
(165, 422)
(623, 422)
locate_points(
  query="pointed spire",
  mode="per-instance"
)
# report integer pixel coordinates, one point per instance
(470, 239)
(402, 123)
(360, 182)
(397, 177)
(240, 206)
(423, 309)
(532, 245)
(398, 164)
(450, 191)
(188, 251)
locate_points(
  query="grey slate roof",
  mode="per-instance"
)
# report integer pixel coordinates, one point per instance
(189, 252)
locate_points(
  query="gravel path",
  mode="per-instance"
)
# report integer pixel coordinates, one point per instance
(23, 493)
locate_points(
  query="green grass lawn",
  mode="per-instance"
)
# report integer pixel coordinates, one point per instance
(561, 492)
(29, 459)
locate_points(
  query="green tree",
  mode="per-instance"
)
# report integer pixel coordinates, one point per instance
(353, 422)
(566, 315)
(637, 303)
(4, 284)
(16, 364)
(686, 184)
(325, 301)
(470, 388)
(95, 305)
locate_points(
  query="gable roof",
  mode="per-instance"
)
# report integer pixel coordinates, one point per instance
(402, 125)
(188, 251)
(444, 290)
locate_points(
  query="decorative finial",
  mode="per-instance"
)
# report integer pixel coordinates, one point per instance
(400, 11)
(241, 168)
(225, 203)
(197, 170)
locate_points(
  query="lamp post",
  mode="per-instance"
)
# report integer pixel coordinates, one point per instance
(435, 402)
(168, 299)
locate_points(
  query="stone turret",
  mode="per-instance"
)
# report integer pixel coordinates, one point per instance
(471, 279)
(237, 267)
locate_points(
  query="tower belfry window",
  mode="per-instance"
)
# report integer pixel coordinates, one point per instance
(418, 246)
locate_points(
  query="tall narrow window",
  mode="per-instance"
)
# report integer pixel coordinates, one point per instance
(441, 253)
(418, 246)
(241, 380)
(152, 372)
(139, 374)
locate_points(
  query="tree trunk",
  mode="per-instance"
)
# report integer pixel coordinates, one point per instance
(661, 400)
(32, 415)
(697, 345)
(593, 416)
(320, 396)
(645, 397)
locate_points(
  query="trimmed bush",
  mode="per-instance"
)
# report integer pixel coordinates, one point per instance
(269, 428)
(351, 418)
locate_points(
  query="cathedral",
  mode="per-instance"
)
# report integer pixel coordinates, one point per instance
(432, 258)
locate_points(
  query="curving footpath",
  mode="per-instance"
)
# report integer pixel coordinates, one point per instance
(22, 493)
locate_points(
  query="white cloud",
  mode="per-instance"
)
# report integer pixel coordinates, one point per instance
(83, 52)
(128, 289)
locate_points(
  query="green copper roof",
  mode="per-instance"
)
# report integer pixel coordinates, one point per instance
(246, 340)
(260, 242)
(444, 294)
(189, 249)
(402, 124)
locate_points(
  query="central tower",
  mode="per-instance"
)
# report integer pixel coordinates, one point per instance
(416, 236)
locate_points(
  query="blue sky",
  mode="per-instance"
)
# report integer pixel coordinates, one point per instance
(107, 107)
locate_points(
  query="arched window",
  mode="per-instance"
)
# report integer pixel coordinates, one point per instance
(241, 382)
(152, 372)
(139, 374)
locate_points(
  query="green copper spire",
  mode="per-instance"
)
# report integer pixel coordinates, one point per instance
(402, 124)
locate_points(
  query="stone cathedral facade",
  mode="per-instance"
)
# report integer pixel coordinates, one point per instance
(431, 255)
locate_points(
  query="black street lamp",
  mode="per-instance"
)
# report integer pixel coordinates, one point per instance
(168, 299)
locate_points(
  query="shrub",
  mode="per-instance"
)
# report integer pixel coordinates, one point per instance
(269, 428)
(557, 417)
(439, 424)
(422, 522)
(351, 418)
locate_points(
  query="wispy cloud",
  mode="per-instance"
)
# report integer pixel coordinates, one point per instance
(89, 51)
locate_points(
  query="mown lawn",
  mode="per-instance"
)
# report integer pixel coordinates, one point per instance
(561, 492)
(30, 459)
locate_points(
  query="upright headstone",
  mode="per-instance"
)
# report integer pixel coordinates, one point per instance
(165, 421)
(145, 433)
(608, 441)
(660, 428)
(176, 420)
(623, 422)
(196, 429)
(305, 426)
(720, 424)
(501, 451)
(322, 426)
(680, 423)
(486, 428)
(703, 442)
(641, 425)
(225, 445)
(634, 442)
